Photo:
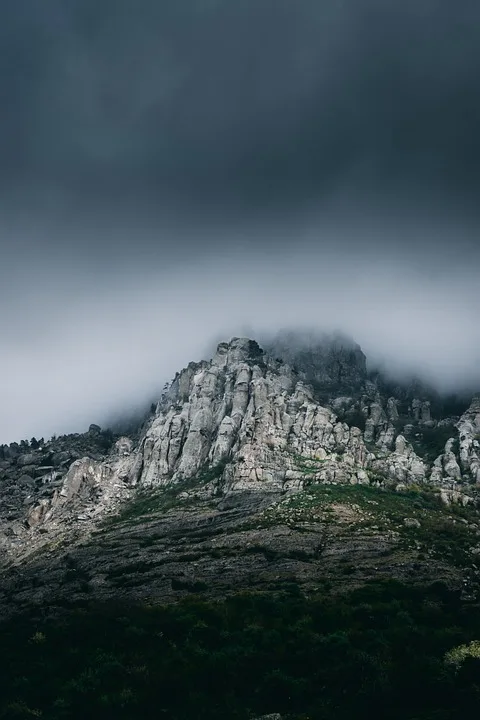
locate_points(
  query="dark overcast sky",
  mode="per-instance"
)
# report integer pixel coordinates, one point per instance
(247, 104)
(154, 144)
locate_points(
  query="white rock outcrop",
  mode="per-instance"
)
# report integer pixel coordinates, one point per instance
(469, 440)
(253, 418)
(246, 422)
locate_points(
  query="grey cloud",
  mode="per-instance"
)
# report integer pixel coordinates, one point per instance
(242, 105)
(174, 171)
(110, 343)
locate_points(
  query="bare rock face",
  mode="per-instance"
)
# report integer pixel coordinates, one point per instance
(327, 361)
(243, 422)
(421, 410)
(251, 414)
(402, 465)
(90, 487)
(392, 409)
(425, 412)
(454, 496)
(450, 465)
(376, 424)
(469, 439)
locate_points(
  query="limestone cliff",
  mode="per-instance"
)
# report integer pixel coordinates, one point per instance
(244, 459)
(245, 422)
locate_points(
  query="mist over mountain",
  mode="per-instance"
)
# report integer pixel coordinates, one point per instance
(174, 174)
(68, 360)
(239, 359)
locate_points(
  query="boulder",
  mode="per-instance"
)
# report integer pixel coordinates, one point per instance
(411, 522)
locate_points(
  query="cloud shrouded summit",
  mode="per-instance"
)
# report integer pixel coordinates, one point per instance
(177, 171)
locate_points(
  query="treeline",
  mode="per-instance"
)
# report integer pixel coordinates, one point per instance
(379, 652)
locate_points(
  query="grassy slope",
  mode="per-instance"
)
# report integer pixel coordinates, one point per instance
(376, 651)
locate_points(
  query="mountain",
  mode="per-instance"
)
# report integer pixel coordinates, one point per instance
(248, 435)
(292, 467)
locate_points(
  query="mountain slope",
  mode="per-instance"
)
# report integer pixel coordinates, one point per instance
(286, 523)
(242, 478)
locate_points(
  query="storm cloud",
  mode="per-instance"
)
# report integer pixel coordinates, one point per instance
(173, 172)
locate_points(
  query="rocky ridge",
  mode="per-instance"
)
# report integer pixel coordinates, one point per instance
(231, 441)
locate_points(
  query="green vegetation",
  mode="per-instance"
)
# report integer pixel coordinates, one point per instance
(448, 531)
(457, 656)
(429, 443)
(384, 650)
(148, 502)
(449, 405)
(308, 465)
(377, 501)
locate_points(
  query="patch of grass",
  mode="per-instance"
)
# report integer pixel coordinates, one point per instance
(441, 527)
(148, 502)
(308, 465)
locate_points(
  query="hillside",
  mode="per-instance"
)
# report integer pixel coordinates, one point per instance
(300, 477)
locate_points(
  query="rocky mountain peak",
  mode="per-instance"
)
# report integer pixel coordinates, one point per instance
(330, 362)
(236, 351)
(249, 422)
(252, 468)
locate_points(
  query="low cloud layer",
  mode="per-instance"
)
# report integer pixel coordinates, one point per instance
(176, 172)
(77, 349)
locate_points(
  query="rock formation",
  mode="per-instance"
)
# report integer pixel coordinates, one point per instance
(469, 439)
(245, 422)
(243, 472)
